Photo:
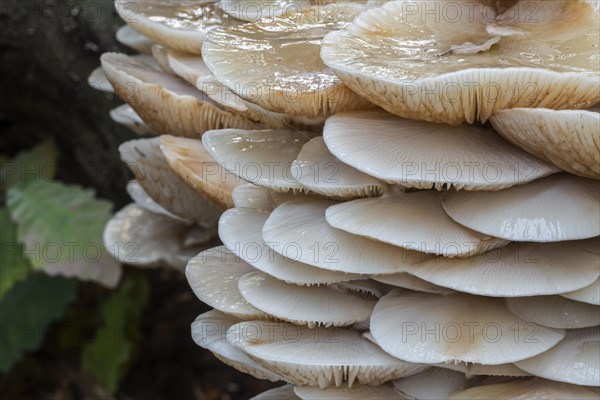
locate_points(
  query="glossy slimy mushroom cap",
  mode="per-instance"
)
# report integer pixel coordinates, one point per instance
(414, 221)
(458, 62)
(179, 24)
(426, 328)
(526, 389)
(241, 231)
(423, 155)
(319, 171)
(557, 208)
(321, 357)
(275, 62)
(208, 332)
(298, 229)
(213, 276)
(312, 306)
(574, 360)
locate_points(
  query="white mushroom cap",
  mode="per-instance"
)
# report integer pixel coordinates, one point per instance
(555, 312)
(125, 115)
(136, 236)
(192, 68)
(365, 287)
(414, 221)
(147, 162)
(209, 331)
(141, 198)
(159, 53)
(321, 357)
(406, 281)
(261, 157)
(466, 61)
(423, 155)
(471, 370)
(275, 62)
(526, 389)
(98, 81)
(259, 198)
(426, 328)
(575, 360)
(130, 38)
(298, 230)
(569, 139)
(362, 392)
(434, 383)
(252, 11)
(241, 231)
(313, 306)
(165, 102)
(198, 169)
(318, 170)
(558, 208)
(213, 276)
(518, 270)
(283, 392)
(590, 294)
(178, 24)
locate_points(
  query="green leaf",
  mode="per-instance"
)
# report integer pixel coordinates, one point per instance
(28, 308)
(14, 266)
(61, 227)
(36, 164)
(108, 357)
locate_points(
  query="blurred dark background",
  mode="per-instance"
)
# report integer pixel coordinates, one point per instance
(47, 50)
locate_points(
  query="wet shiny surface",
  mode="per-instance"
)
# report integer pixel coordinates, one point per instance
(400, 44)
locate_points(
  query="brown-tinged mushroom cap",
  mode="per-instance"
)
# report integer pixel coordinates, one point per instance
(589, 294)
(132, 39)
(426, 328)
(275, 62)
(199, 170)
(460, 62)
(358, 391)
(569, 139)
(149, 165)
(213, 276)
(535, 388)
(136, 236)
(298, 230)
(208, 332)
(319, 171)
(192, 68)
(260, 157)
(423, 155)
(321, 357)
(557, 208)
(574, 360)
(312, 306)
(414, 221)
(165, 102)
(178, 24)
(517, 270)
(241, 231)
(126, 116)
(555, 312)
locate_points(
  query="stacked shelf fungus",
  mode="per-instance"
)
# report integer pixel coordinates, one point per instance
(410, 195)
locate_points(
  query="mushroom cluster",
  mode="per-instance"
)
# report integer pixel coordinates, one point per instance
(410, 190)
